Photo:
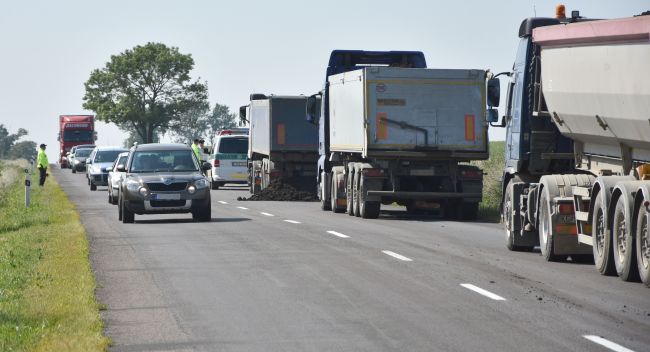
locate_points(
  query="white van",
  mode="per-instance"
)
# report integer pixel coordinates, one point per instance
(229, 160)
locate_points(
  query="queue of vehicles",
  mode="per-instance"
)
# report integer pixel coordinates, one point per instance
(386, 129)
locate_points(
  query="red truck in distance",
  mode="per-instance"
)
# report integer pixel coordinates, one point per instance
(74, 130)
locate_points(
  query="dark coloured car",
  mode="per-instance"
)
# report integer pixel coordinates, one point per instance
(164, 179)
(78, 159)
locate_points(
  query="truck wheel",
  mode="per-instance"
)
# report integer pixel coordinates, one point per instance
(546, 229)
(643, 245)
(334, 195)
(367, 209)
(355, 194)
(623, 244)
(602, 243)
(505, 215)
(349, 193)
(322, 184)
(127, 216)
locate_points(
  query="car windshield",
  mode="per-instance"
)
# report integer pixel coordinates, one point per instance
(233, 145)
(82, 153)
(106, 156)
(163, 160)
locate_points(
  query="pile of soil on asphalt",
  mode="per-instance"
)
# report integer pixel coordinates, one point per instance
(281, 191)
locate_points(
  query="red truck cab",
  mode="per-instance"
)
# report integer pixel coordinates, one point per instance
(74, 130)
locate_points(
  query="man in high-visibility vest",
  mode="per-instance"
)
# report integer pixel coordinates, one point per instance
(42, 163)
(195, 148)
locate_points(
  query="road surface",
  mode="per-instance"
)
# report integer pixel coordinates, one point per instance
(286, 276)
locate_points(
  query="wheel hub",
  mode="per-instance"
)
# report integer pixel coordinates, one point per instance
(645, 243)
(620, 235)
(600, 232)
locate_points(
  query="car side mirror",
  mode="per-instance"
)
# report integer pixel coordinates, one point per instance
(206, 166)
(312, 110)
(89, 161)
(107, 169)
(121, 168)
(493, 92)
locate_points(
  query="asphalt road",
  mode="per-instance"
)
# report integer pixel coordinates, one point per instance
(286, 276)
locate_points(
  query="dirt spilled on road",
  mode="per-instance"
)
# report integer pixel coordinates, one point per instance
(281, 191)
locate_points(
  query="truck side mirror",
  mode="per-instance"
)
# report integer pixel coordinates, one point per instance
(313, 108)
(493, 92)
(242, 114)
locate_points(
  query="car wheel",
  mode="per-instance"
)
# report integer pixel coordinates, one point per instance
(127, 216)
(93, 187)
(119, 209)
(74, 170)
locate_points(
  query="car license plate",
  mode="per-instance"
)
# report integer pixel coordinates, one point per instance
(239, 176)
(567, 219)
(165, 196)
(238, 163)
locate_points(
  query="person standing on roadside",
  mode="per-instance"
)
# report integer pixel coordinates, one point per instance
(195, 148)
(42, 163)
(202, 158)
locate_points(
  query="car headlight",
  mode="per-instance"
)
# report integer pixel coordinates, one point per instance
(191, 189)
(133, 185)
(76, 161)
(201, 183)
(143, 191)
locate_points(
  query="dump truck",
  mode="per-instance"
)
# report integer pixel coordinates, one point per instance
(282, 145)
(576, 180)
(74, 130)
(393, 130)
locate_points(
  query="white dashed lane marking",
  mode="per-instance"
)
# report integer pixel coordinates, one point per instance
(398, 256)
(337, 234)
(483, 292)
(266, 214)
(222, 202)
(243, 208)
(606, 343)
(292, 221)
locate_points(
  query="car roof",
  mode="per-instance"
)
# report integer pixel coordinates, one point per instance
(110, 148)
(160, 146)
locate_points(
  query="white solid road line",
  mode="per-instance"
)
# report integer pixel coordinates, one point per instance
(222, 202)
(398, 256)
(267, 214)
(606, 343)
(243, 208)
(292, 221)
(483, 292)
(337, 234)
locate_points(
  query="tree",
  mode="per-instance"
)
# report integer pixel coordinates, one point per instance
(133, 138)
(23, 150)
(8, 140)
(220, 119)
(144, 89)
(191, 124)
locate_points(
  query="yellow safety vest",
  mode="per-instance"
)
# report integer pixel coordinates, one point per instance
(195, 148)
(41, 159)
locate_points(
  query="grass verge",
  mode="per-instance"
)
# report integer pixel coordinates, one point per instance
(493, 167)
(47, 300)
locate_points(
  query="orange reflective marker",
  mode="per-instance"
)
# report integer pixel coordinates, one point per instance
(281, 136)
(382, 129)
(469, 128)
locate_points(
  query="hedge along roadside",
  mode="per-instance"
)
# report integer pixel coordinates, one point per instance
(47, 300)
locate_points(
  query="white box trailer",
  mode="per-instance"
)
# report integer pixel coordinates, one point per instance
(400, 134)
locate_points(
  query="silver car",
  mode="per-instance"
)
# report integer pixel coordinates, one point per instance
(115, 177)
(97, 163)
(164, 179)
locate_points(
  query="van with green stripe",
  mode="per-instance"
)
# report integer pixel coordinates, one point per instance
(229, 160)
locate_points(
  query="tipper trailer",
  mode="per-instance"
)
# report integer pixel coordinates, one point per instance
(392, 130)
(283, 146)
(577, 174)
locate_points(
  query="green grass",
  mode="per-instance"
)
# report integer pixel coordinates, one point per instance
(493, 167)
(47, 298)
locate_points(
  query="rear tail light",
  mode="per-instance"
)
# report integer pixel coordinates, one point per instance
(373, 172)
(565, 208)
(215, 163)
(471, 174)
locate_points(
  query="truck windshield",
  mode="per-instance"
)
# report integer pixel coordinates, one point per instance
(77, 136)
(107, 156)
(233, 145)
(163, 160)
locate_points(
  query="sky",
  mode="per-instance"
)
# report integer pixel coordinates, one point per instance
(50, 47)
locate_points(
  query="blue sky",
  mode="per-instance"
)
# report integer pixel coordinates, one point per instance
(240, 47)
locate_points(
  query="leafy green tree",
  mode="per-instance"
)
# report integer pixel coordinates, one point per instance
(191, 124)
(8, 140)
(23, 150)
(144, 89)
(220, 119)
(133, 138)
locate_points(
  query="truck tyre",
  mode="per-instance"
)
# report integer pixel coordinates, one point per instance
(505, 215)
(127, 216)
(546, 229)
(601, 242)
(334, 195)
(322, 184)
(623, 243)
(643, 245)
(349, 193)
(367, 209)
(356, 193)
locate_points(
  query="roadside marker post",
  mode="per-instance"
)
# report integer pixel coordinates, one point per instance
(28, 183)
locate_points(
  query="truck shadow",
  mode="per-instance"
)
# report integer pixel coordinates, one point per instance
(181, 221)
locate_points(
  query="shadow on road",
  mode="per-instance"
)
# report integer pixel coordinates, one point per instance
(180, 221)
